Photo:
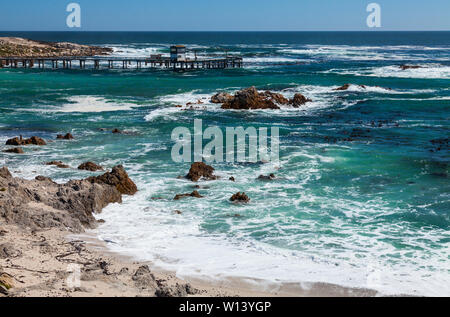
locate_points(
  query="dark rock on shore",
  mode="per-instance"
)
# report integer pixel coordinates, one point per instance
(34, 140)
(58, 164)
(118, 178)
(69, 206)
(89, 166)
(194, 194)
(221, 97)
(249, 98)
(299, 100)
(232, 179)
(68, 136)
(199, 171)
(16, 150)
(240, 198)
(116, 131)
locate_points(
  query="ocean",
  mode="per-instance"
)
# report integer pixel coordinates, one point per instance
(361, 196)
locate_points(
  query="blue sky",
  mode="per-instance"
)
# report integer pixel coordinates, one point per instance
(226, 15)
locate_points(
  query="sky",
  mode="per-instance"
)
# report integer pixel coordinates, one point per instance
(226, 15)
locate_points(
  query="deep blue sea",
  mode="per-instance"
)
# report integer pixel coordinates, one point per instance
(362, 194)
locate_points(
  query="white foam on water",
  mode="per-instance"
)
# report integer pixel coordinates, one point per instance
(427, 71)
(93, 104)
(150, 231)
(366, 53)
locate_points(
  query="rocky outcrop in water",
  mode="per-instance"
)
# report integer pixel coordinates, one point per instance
(194, 194)
(68, 136)
(19, 141)
(58, 164)
(16, 150)
(299, 100)
(199, 171)
(275, 97)
(42, 203)
(240, 198)
(249, 98)
(221, 97)
(89, 166)
(19, 47)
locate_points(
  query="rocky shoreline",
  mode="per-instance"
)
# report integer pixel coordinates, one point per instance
(19, 47)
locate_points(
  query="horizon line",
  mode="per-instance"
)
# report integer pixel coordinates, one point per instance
(225, 31)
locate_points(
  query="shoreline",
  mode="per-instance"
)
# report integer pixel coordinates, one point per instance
(229, 286)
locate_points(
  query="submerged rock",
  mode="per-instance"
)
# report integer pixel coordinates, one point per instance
(249, 98)
(89, 166)
(194, 194)
(266, 178)
(34, 140)
(68, 136)
(345, 87)
(240, 198)
(58, 164)
(406, 67)
(16, 150)
(199, 171)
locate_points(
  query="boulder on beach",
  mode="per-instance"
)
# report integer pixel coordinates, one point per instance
(67, 136)
(240, 198)
(249, 98)
(16, 150)
(34, 140)
(194, 194)
(221, 97)
(299, 100)
(89, 166)
(199, 171)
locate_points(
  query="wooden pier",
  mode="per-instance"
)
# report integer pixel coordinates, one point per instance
(106, 62)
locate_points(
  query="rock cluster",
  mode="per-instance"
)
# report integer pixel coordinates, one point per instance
(42, 203)
(19, 141)
(58, 164)
(250, 98)
(240, 198)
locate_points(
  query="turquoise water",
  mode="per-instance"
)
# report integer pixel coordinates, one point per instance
(373, 211)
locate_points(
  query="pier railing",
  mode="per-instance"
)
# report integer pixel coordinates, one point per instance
(109, 62)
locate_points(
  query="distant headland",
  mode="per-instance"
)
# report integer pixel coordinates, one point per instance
(20, 47)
